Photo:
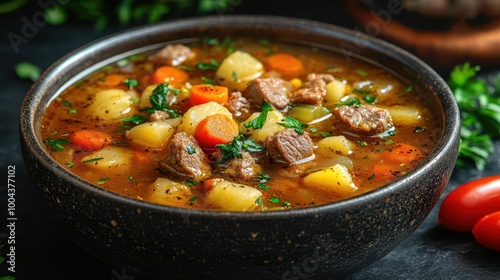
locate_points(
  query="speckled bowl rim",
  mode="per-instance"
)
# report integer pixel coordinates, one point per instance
(29, 133)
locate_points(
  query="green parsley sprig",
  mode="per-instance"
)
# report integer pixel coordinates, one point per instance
(479, 106)
(235, 148)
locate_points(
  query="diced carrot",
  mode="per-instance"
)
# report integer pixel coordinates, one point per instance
(170, 75)
(209, 184)
(384, 171)
(402, 154)
(112, 80)
(205, 93)
(142, 157)
(286, 64)
(90, 139)
(216, 129)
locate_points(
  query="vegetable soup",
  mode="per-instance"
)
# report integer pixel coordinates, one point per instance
(239, 124)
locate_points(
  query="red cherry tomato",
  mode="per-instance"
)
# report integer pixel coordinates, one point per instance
(487, 231)
(468, 203)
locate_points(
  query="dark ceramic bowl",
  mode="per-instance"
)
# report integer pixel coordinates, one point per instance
(162, 242)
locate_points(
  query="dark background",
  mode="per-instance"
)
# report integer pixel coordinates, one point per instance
(44, 252)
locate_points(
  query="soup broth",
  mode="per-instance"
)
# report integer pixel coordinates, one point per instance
(240, 124)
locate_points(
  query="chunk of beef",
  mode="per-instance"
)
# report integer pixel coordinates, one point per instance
(309, 95)
(244, 168)
(288, 146)
(273, 90)
(158, 116)
(172, 55)
(185, 158)
(238, 105)
(319, 80)
(365, 120)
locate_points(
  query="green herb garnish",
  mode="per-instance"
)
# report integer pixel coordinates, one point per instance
(260, 120)
(350, 101)
(27, 70)
(159, 99)
(56, 144)
(291, 122)
(263, 187)
(212, 65)
(274, 199)
(239, 145)
(191, 150)
(263, 178)
(70, 164)
(131, 83)
(93, 160)
(102, 180)
(135, 119)
(190, 183)
(479, 112)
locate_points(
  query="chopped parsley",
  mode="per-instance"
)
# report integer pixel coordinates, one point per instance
(235, 75)
(193, 199)
(263, 187)
(93, 160)
(362, 143)
(56, 144)
(186, 67)
(260, 120)
(291, 122)
(130, 178)
(67, 104)
(191, 150)
(259, 202)
(70, 164)
(27, 70)
(313, 129)
(362, 73)
(235, 148)
(102, 180)
(348, 102)
(207, 81)
(325, 134)
(131, 83)
(274, 199)
(73, 111)
(263, 178)
(190, 183)
(135, 119)
(408, 89)
(159, 99)
(372, 177)
(212, 65)
(419, 130)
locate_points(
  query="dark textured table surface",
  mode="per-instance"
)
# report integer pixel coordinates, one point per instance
(44, 252)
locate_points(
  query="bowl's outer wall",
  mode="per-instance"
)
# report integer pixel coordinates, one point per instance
(163, 242)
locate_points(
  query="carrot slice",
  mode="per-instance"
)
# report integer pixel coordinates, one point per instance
(402, 153)
(90, 139)
(142, 157)
(384, 171)
(209, 184)
(205, 93)
(215, 129)
(171, 75)
(286, 64)
(112, 80)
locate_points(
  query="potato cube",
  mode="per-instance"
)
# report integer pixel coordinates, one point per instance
(270, 127)
(233, 197)
(111, 104)
(237, 69)
(335, 145)
(336, 179)
(109, 157)
(334, 92)
(151, 134)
